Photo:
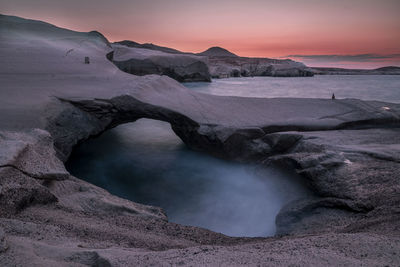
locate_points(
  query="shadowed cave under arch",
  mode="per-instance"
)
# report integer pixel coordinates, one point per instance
(144, 161)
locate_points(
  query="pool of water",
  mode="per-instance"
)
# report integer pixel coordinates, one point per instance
(147, 163)
(366, 87)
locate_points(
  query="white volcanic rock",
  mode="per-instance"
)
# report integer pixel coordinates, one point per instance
(141, 61)
(355, 169)
(31, 153)
(344, 149)
(225, 67)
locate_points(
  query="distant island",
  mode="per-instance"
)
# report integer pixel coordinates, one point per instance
(389, 70)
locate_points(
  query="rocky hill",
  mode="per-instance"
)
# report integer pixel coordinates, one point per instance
(217, 52)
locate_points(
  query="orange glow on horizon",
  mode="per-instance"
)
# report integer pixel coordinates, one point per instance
(255, 28)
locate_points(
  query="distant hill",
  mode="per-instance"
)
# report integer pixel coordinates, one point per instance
(389, 70)
(150, 46)
(217, 52)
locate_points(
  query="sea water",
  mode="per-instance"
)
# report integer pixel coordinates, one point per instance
(365, 87)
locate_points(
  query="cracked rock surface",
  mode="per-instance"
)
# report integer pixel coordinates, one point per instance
(347, 151)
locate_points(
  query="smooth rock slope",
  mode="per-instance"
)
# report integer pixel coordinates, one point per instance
(150, 46)
(347, 151)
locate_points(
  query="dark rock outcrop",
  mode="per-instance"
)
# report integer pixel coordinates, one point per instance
(181, 67)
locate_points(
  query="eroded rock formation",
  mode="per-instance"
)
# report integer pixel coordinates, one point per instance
(141, 61)
(347, 151)
(225, 64)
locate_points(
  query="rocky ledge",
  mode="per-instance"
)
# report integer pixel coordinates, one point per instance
(347, 151)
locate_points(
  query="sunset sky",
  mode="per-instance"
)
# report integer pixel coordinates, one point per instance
(342, 33)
